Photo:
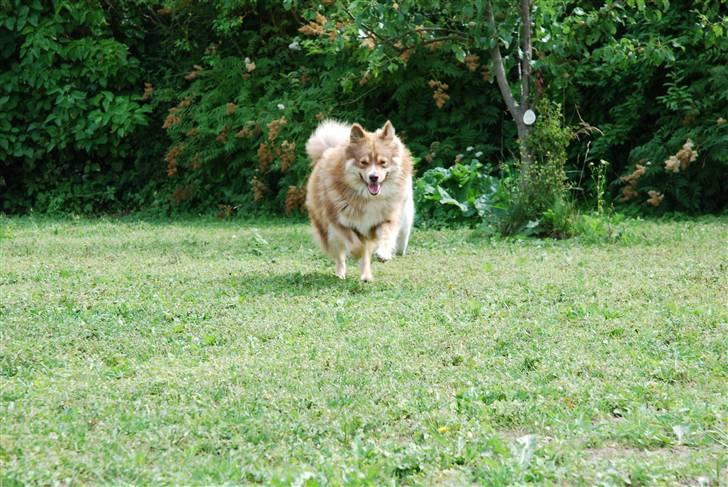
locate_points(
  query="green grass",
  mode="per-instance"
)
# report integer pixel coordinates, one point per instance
(204, 352)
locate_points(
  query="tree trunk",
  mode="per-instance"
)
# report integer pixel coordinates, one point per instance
(527, 55)
(517, 111)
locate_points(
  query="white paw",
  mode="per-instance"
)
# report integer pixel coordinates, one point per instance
(384, 255)
(367, 277)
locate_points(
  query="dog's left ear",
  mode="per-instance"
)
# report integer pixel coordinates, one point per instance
(387, 131)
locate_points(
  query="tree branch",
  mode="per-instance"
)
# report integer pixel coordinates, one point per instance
(436, 39)
(349, 102)
(372, 32)
(457, 33)
(454, 34)
(500, 72)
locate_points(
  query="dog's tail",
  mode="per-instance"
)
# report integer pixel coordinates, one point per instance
(329, 133)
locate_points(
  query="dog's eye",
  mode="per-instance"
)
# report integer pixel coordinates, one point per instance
(363, 161)
(383, 162)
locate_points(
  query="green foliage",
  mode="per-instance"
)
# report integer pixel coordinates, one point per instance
(558, 219)
(599, 177)
(426, 66)
(462, 193)
(602, 228)
(87, 88)
(240, 116)
(650, 76)
(542, 194)
(221, 123)
(545, 179)
(69, 100)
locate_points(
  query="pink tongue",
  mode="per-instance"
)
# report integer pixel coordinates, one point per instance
(374, 188)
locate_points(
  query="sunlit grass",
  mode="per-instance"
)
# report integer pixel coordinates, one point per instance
(204, 352)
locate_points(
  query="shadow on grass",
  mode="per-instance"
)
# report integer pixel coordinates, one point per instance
(298, 284)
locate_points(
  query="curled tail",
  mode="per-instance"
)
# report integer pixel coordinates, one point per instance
(329, 133)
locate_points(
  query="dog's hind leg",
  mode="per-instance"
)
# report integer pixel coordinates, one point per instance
(340, 260)
(405, 225)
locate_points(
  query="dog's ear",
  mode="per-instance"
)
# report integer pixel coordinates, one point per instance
(387, 131)
(357, 133)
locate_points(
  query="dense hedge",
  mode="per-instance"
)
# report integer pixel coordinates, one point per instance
(205, 106)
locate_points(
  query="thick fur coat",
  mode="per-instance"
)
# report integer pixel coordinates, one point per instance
(359, 194)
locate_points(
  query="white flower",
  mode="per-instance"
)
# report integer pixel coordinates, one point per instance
(281, 106)
(294, 46)
(478, 154)
(469, 148)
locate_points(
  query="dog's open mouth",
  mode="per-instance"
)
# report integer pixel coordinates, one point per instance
(374, 188)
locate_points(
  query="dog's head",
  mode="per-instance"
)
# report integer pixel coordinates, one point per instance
(372, 158)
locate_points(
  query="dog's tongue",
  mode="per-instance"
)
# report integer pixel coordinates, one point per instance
(374, 188)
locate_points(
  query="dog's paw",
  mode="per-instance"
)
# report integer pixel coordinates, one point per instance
(366, 278)
(341, 270)
(383, 255)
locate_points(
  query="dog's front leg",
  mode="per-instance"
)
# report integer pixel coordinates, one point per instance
(387, 239)
(366, 259)
(340, 261)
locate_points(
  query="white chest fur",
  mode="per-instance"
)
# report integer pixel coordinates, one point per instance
(375, 212)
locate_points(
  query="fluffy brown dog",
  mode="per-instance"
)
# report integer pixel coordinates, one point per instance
(359, 195)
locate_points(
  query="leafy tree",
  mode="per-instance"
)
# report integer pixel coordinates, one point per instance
(473, 32)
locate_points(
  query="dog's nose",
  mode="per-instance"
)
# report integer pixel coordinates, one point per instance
(373, 178)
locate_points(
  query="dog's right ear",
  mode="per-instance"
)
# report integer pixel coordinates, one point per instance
(357, 133)
(387, 131)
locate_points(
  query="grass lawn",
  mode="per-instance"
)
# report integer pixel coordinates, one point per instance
(207, 352)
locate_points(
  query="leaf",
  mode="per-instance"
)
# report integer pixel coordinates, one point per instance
(446, 199)
(347, 85)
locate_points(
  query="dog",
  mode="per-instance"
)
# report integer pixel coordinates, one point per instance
(359, 194)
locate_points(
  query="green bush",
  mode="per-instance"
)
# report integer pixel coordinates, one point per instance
(541, 203)
(206, 106)
(460, 194)
(649, 78)
(70, 97)
(545, 178)
(240, 118)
